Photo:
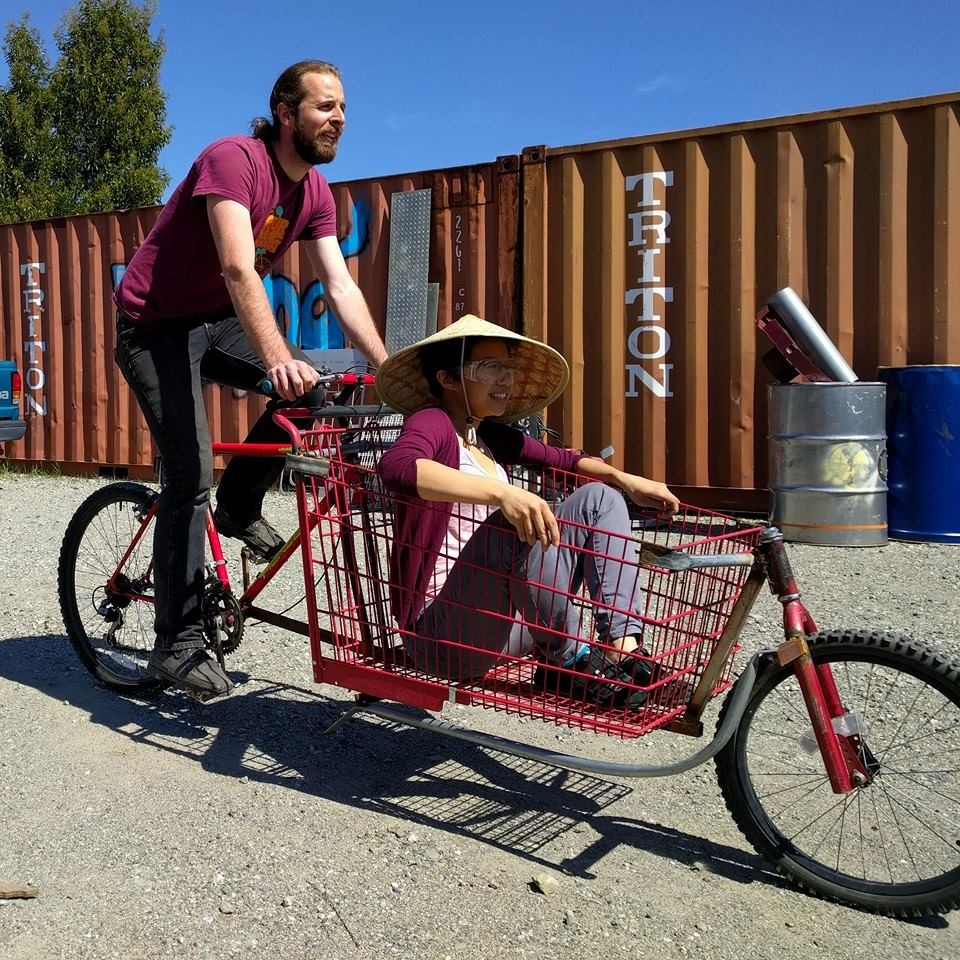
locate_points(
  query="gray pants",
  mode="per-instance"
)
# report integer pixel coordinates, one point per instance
(472, 624)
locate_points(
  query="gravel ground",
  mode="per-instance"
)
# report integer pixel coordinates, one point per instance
(171, 829)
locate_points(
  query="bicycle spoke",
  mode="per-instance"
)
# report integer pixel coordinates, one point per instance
(903, 721)
(798, 773)
(845, 802)
(816, 820)
(887, 769)
(953, 823)
(781, 736)
(786, 761)
(793, 786)
(863, 858)
(933, 733)
(909, 775)
(883, 842)
(801, 798)
(903, 839)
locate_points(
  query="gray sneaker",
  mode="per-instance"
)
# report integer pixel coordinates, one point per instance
(264, 542)
(192, 668)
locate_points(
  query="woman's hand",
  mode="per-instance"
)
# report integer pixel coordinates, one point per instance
(649, 493)
(532, 517)
(646, 493)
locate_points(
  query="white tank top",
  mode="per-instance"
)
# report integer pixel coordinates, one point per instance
(464, 520)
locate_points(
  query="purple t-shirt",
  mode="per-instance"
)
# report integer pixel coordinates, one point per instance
(176, 272)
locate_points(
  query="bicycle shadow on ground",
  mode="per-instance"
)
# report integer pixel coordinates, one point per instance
(271, 733)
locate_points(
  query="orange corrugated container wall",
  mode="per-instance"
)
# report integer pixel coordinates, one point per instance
(57, 279)
(646, 260)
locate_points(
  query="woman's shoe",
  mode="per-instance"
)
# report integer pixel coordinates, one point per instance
(600, 681)
(595, 679)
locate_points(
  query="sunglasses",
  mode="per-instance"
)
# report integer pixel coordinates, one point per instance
(490, 372)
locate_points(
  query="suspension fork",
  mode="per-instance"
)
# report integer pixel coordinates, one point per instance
(841, 753)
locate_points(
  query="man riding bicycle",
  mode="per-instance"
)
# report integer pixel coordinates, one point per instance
(192, 307)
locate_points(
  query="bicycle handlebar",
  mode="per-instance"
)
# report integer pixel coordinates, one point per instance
(267, 386)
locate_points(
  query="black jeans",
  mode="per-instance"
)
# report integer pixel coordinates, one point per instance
(165, 364)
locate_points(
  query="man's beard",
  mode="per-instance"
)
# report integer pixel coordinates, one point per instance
(312, 151)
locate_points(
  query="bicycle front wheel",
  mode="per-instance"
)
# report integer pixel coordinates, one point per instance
(105, 581)
(891, 846)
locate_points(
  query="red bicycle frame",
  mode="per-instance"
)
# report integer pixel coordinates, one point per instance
(840, 750)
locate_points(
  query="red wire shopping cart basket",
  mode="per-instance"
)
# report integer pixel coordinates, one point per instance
(484, 641)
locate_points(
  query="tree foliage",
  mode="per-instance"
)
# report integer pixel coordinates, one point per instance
(27, 142)
(83, 135)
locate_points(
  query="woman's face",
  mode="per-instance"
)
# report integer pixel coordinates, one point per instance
(487, 379)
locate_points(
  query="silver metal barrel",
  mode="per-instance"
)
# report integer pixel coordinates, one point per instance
(809, 336)
(828, 462)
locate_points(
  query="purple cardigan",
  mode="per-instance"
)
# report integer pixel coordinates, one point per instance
(420, 525)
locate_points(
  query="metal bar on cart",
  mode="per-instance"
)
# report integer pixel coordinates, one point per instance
(285, 623)
(738, 704)
(689, 721)
(356, 410)
(678, 561)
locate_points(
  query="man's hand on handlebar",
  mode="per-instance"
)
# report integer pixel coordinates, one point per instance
(293, 379)
(347, 382)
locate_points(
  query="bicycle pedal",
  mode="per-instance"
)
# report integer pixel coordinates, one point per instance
(252, 557)
(202, 696)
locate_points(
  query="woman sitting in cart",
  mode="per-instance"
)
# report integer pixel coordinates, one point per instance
(471, 551)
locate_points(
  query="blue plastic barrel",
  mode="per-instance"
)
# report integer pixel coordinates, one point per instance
(923, 449)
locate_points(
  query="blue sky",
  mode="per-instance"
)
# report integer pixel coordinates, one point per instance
(441, 84)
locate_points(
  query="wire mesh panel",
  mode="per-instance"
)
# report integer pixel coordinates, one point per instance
(487, 619)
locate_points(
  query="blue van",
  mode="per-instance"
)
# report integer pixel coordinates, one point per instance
(11, 426)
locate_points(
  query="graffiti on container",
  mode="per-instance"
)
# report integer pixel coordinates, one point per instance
(34, 399)
(305, 316)
(648, 338)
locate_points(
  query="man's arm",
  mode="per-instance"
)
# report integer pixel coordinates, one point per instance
(345, 298)
(233, 235)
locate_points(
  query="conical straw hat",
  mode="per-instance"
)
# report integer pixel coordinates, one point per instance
(542, 373)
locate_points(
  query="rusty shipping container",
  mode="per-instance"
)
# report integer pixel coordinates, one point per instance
(57, 279)
(646, 260)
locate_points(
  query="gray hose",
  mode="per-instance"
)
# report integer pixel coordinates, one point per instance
(738, 704)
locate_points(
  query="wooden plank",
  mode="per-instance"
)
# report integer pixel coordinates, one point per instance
(18, 891)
